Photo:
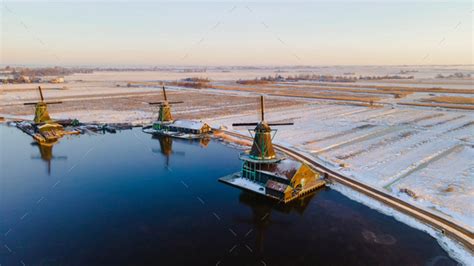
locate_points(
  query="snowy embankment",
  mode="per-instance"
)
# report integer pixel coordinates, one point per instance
(419, 155)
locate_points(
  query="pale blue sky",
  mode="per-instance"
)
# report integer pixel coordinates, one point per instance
(163, 33)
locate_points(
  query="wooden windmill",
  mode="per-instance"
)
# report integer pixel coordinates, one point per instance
(41, 109)
(165, 108)
(45, 129)
(262, 147)
(263, 171)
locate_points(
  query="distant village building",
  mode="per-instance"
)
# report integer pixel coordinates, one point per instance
(57, 80)
(22, 79)
(11, 77)
(6, 77)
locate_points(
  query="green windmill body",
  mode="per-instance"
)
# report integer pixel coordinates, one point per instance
(41, 110)
(164, 114)
(41, 113)
(262, 147)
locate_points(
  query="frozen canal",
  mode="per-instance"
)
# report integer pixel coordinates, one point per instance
(128, 198)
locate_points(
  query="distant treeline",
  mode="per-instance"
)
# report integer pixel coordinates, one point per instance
(457, 75)
(315, 77)
(323, 78)
(407, 71)
(139, 69)
(193, 82)
(385, 77)
(196, 79)
(44, 71)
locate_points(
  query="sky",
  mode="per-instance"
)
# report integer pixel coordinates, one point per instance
(126, 33)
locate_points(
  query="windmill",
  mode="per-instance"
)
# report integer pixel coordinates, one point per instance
(264, 173)
(46, 154)
(164, 115)
(41, 109)
(166, 148)
(262, 147)
(45, 129)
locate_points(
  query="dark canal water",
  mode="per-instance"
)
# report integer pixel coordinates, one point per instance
(128, 198)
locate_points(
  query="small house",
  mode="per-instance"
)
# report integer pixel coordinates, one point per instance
(285, 180)
(286, 183)
(189, 126)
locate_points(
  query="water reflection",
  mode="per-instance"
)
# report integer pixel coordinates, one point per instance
(166, 146)
(262, 208)
(204, 142)
(46, 154)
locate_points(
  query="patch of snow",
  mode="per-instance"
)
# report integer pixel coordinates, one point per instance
(250, 185)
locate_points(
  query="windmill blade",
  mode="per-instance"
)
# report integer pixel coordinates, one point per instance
(281, 124)
(175, 102)
(164, 94)
(153, 103)
(35, 103)
(244, 124)
(262, 108)
(41, 93)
